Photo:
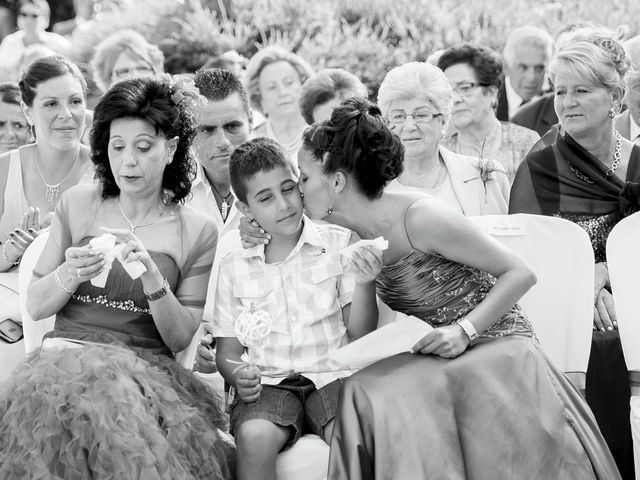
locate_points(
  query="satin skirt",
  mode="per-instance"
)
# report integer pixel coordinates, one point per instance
(499, 411)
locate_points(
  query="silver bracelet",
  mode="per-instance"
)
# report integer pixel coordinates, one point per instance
(60, 284)
(5, 258)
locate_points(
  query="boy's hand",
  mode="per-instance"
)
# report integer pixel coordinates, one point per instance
(248, 384)
(366, 263)
(206, 354)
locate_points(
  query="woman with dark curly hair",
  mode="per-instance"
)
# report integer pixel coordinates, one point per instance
(475, 74)
(477, 398)
(125, 271)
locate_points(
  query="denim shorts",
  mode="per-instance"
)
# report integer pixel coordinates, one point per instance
(294, 403)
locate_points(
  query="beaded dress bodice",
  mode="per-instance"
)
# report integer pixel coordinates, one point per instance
(440, 292)
(120, 307)
(597, 227)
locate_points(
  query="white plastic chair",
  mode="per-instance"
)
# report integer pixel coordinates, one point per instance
(33, 330)
(10, 353)
(623, 260)
(560, 305)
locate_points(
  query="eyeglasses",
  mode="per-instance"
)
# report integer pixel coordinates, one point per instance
(398, 117)
(466, 88)
(125, 72)
(30, 15)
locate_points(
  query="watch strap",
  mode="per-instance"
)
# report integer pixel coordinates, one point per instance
(158, 294)
(468, 329)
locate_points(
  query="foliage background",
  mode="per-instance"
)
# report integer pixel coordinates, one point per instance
(367, 37)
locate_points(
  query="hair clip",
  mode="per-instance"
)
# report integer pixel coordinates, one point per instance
(177, 97)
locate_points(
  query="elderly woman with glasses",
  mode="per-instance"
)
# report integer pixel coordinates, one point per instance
(476, 76)
(416, 100)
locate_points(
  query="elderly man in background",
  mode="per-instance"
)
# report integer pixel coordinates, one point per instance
(526, 54)
(628, 122)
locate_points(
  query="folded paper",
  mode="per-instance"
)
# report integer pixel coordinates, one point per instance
(397, 337)
(106, 244)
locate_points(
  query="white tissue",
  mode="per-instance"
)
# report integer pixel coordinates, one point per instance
(380, 243)
(106, 244)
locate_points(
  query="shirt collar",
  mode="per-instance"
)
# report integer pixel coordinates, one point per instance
(310, 236)
(201, 178)
(634, 128)
(513, 99)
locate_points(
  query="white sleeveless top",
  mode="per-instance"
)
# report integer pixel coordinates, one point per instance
(15, 203)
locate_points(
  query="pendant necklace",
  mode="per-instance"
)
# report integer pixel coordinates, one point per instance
(52, 192)
(225, 201)
(131, 224)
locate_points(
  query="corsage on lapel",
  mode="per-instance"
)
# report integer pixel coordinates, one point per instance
(488, 169)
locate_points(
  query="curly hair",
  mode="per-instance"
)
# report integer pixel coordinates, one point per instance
(485, 62)
(171, 109)
(593, 55)
(267, 56)
(356, 141)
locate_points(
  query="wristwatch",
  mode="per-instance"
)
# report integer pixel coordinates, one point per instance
(161, 292)
(469, 330)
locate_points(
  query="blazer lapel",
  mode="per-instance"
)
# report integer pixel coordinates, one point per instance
(465, 181)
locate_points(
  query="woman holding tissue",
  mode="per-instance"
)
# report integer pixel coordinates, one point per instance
(477, 398)
(125, 270)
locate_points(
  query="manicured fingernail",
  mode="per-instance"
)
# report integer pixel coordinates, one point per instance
(609, 328)
(265, 241)
(268, 236)
(261, 231)
(603, 329)
(615, 324)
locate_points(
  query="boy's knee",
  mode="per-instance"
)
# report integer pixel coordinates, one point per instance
(258, 436)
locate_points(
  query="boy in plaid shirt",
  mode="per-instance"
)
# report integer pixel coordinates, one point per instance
(315, 307)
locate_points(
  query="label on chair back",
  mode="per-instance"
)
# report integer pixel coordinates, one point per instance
(509, 228)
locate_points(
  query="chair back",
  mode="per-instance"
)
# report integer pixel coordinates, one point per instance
(33, 330)
(560, 305)
(623, 261)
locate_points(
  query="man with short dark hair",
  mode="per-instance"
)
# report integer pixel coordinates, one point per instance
(225, 123)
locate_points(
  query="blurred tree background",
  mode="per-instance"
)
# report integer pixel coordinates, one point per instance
(365, 37)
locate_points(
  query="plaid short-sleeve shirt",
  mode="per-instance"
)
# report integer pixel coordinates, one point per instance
(304, 296)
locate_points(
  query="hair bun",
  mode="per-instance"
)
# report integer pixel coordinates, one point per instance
(618, 55)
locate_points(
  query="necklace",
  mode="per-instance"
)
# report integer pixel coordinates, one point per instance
(52, 192)
(131, 224)
(617, 156)
(293, 146)
(224, 201)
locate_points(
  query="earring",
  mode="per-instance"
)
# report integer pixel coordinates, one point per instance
(330, 211)
(613, 111)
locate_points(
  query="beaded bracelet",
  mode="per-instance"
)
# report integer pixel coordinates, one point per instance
(60, 284)
(5, 258)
